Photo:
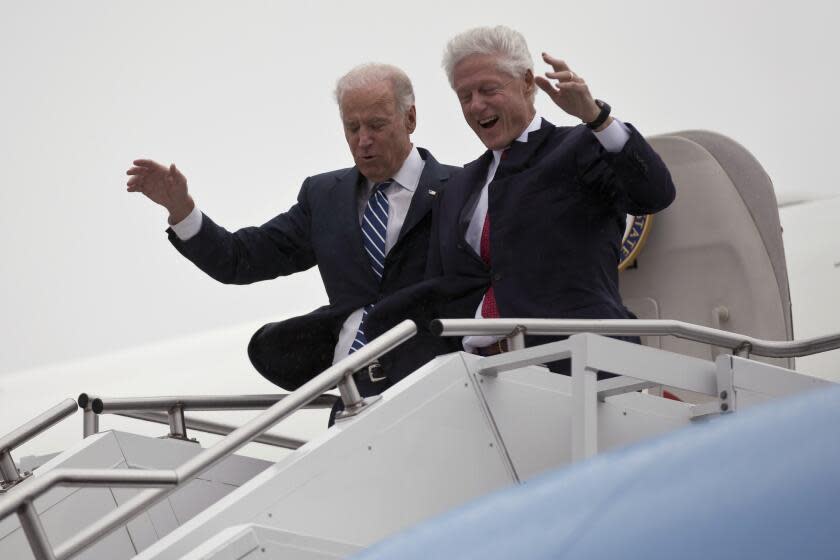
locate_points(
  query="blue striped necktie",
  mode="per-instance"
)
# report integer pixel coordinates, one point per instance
(374, 231)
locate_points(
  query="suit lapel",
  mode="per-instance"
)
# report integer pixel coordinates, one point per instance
(520, 155)
(473, 177)
(431, 180)
(346, 193)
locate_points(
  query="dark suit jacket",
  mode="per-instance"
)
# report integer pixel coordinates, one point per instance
(322, 229)
(557, 207)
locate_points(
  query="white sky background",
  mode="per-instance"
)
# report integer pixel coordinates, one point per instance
(238, 94)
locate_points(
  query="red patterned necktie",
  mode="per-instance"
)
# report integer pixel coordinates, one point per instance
(488, 306)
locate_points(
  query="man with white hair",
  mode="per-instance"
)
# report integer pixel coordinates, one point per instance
(533, 227)
(366, 227)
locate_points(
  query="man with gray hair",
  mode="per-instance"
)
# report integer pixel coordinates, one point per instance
(366, 227)
(533, 227)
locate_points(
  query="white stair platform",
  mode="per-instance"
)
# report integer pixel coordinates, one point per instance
(441, 437)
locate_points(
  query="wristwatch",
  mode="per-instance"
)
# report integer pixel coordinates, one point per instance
(602, 116)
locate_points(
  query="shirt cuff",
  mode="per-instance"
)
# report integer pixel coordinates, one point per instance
(473, 342)
(614, 136)
(189, 226)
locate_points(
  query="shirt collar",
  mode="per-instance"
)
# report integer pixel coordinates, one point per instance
(534, 125)
(408, 176)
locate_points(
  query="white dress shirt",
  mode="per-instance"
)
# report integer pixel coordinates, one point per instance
(612, 138)
(399, 195)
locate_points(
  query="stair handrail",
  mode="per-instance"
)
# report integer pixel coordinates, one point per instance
(740, 344)
(175, 407)
(217, 428)
(20, 499)
(9, 474)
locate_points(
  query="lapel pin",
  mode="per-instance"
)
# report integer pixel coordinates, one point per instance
(432, 192)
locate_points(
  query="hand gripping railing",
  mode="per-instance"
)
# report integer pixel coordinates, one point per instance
(151, 409)
(8, 443)
(739, 344)
(20, 500)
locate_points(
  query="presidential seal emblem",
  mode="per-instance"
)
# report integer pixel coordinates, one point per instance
(635, 235)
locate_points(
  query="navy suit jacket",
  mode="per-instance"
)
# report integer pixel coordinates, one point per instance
(557, 208)
(322, 229)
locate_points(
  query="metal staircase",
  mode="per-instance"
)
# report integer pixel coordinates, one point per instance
(456, 429)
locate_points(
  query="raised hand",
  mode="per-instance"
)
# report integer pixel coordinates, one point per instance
(166, 186)
(570, 93)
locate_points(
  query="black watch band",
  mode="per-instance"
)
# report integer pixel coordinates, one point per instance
(602, 116)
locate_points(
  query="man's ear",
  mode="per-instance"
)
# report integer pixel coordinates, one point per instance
(411, 119)
(530, 84)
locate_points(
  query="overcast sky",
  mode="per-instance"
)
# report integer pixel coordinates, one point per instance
(238, 94)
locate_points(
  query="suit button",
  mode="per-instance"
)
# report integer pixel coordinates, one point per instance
(461, 246)
(497, 277)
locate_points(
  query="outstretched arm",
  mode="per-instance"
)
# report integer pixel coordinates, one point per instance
(279, 247)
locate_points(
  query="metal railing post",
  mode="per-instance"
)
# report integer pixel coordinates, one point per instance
(743, 351)
(90, 419)
(8, 469)
(353, 401)
(34, 531)
(90, 423)
(350, 395)
(516, 339)
(177, 425)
